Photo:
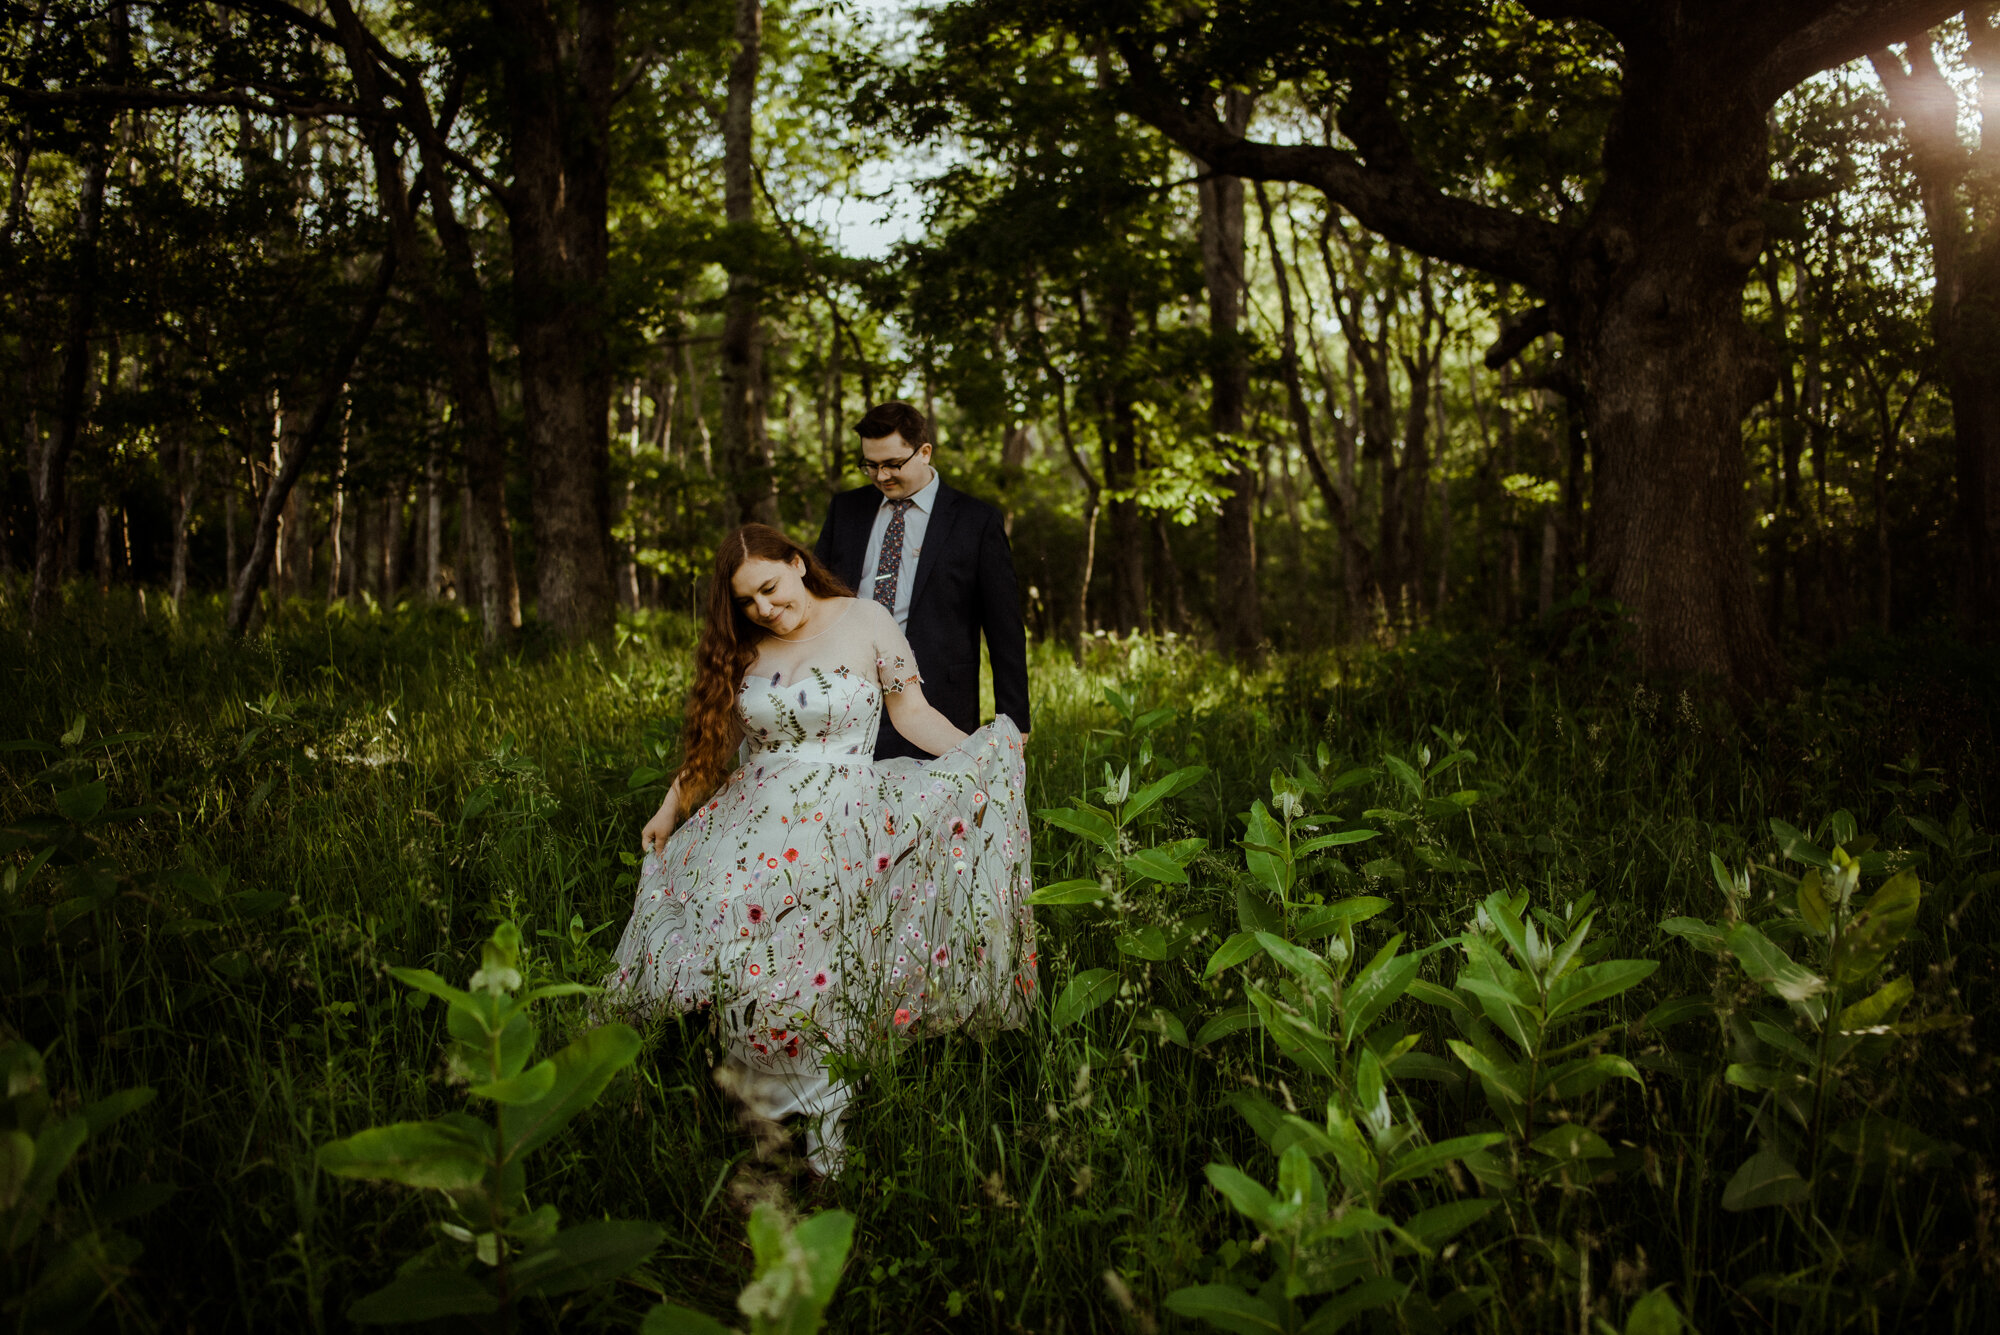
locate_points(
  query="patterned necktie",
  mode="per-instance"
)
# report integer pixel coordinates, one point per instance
(890, 563)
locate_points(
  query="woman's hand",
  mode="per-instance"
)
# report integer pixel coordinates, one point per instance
(653, 838)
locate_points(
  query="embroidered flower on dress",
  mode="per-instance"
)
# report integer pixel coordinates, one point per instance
(756, 913)
(902, 1016)
(791, 855)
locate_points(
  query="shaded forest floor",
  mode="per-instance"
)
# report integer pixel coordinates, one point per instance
(283, 819)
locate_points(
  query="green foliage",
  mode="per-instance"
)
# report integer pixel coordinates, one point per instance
(480, 1166)
(798, 1268)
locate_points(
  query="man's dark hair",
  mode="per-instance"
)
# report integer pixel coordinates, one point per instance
(895, 419)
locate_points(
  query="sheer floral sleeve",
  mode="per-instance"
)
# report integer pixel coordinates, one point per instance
(895, 663)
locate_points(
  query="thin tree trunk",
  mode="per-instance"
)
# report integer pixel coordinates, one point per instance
(1238, 609)
(336, 519)
(433, 524)
(187, 483)
(264, 540)
(745, 443)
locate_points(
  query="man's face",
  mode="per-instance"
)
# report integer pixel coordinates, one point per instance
(894, 467)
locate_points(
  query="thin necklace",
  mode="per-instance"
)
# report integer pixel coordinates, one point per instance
(805, 639)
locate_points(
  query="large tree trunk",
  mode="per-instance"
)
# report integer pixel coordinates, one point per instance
(746, 445)
(1962, 216)
(1120, 433)
(559, 89)
(1670, 369)
(1239, 613)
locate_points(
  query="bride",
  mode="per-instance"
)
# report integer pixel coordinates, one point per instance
(815, 899)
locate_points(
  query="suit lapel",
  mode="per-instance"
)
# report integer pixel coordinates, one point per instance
(853, 554)
(934, 541)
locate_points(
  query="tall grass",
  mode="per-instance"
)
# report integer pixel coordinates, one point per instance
(346, 792)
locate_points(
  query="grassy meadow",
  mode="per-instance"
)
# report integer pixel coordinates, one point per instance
(1638, 1055)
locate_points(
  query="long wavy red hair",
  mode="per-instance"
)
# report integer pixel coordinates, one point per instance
(713, 729)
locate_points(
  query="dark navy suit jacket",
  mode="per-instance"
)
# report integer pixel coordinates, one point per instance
(965, 585)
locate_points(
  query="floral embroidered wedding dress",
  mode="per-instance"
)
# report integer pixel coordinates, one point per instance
(821, 899)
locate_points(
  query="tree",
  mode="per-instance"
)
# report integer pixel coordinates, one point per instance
(1642, 272)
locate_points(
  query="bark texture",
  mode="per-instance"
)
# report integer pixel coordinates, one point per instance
(746, 445)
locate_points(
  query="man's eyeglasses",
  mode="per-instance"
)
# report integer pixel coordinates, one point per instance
(874, 468)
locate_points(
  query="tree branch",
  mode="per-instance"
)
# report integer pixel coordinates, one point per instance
(1387, 193)
(109, 95)
(1842, 31)
(1516, 334)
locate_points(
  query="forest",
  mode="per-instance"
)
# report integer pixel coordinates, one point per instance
(1505, 497)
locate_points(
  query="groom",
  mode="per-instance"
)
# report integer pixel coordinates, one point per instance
(939, 561)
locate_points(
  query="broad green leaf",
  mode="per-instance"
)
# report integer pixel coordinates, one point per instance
(1367, 1296)
(1596, 982)
(1441, 1223)
(83, 801)
(1884, 1142)
(1338, 840)
(1330, 918)
(1584, 1074)
(1443, 859)
(109, 1109)
(1377, 987)
(425, 981)
(1566, 952)
(1298, 1181)
(1251, 1198)
(424, 1296)
(1424, 990)
(17, 1162)
(673, 1319)
(1159, 944)
(1258, 914)
(1163, 788)
(1089, 822)
(1794, 845)
(1503, 1076)
(1676, 1009)
(1775, 970)
(1427, 1159)
(1231, 953)
(1881, 1008)
(446, 1156)
(1929, 830)
(1766, 1178)
(529, 1085)
(1878, 929)
(1405, 774)
(1232, 1021)
(1297, 1037)
(1070, 892)
(1811, 899)
(1150, 864)
(1310, 968)
(1698, 932)
(1274, 873)
(1348, 780)
(586, 1255)
(582, 1070)
(1786, 1042)
(1654, 1314)
(1227, 1308)
(1084, 994)
(826, 1239)
(1500, 913)
(1571, 1142)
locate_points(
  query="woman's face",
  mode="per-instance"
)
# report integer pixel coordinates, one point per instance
(773, 594)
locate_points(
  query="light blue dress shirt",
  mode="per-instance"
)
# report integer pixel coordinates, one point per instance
(916, 522)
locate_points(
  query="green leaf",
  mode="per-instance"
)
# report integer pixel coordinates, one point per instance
(1881, 1008)
(825, 1238)
(1227, 1308)
(1811, 899)
(1070, 892)
(1701, 934)
(1159, 790)
(1584, 1074)
(1427, 1159)
(586, 1255)
(1796, 846)
(1379, 985)
(1775, 970)
(1150, 864)
(529, 1085)
(1929, 830)
(1500, 1076)
(1654, 1314)
(1339, 840)
(83, 801)
(1405, 774)
(425, 981)
(1309, 967)
(1330, 918)
(424, 1296)
(1878, 929)
(1231, 953)
(1251, 1198)
(1258, 914)
(1424, 990)
(1158, 944)
(1089, 822)
(1571, 1142)
(673, 1319)
(1232, 1021)
(582, 1070)
(1085, 993)
(1274, 873)
(1296, 1036)
(1676, 1009)
(1594, 983)
(109, 1109)
(1441, 1223)
(1766, 1178)
(447, 1156)
(1367, 1296)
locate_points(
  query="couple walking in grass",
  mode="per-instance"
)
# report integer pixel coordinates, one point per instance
(855, 877)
